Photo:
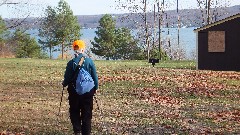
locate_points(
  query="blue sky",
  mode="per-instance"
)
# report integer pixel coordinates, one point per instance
(35, 8)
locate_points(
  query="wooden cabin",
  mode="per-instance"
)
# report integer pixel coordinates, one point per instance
(218, 45)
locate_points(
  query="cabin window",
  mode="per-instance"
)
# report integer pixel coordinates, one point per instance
(216, 41)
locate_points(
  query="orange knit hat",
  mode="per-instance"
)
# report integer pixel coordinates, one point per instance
(78, 44)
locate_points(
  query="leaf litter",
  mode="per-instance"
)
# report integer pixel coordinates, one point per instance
(133, 100)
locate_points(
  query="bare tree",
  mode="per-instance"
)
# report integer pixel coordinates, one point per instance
(212, 9)
(138, 9)
(21, 12)
(145, 23)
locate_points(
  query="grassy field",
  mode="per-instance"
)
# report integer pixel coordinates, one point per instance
(134, 98)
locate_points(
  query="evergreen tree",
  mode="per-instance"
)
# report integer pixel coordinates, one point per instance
(126, 45)
(25, 46)
(2, 30)
(114, 43)
(47, 30)
(104, 42)
(4, 35)
(60, 27)
(2, 26)
(67, 26)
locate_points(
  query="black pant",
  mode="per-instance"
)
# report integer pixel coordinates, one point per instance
(81, 107)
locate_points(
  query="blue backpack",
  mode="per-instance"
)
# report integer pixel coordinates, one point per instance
(83, 80)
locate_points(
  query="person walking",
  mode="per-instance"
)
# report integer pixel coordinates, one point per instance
(81, 106)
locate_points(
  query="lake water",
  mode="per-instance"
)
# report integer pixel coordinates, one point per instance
(187, 38)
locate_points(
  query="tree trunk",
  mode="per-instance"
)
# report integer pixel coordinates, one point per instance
(159, 30)
(146, 29)
(208, 11)
(62, 49)
(50, 49)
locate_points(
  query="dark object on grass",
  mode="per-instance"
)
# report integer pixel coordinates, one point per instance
(153, 61)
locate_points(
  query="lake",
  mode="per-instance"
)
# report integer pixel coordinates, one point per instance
(187, 39)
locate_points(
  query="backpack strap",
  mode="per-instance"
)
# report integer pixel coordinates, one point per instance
(75, 73)
(81, 61)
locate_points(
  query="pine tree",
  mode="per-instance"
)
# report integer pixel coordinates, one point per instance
(60, 27)
(113, 43)
(47, 30)
(68, 28)
(2, 30)
(126, 45)
(4, 35)
(25, 46)
(104, 42)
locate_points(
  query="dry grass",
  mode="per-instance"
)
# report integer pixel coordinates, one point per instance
(134, 99)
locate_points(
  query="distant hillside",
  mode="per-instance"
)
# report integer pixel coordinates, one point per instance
(188, 18)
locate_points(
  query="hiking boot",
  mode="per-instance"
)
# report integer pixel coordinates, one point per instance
(77, 134)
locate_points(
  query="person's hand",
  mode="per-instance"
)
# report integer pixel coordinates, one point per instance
(97, 92)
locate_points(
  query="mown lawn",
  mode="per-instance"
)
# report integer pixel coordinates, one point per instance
(134, 98)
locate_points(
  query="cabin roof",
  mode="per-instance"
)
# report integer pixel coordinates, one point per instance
(218, 22)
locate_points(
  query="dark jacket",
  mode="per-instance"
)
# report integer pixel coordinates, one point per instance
(88, 65)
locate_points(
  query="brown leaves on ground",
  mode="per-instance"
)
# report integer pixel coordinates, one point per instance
(202, 83)
(10, 133)
(134, 100)
(152, 95)
(184, 94)
(226, 115)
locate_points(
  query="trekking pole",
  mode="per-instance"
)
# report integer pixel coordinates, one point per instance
(60, 102)
(101, 115)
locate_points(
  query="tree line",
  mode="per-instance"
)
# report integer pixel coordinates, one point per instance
(60, 27)
(18, 44)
